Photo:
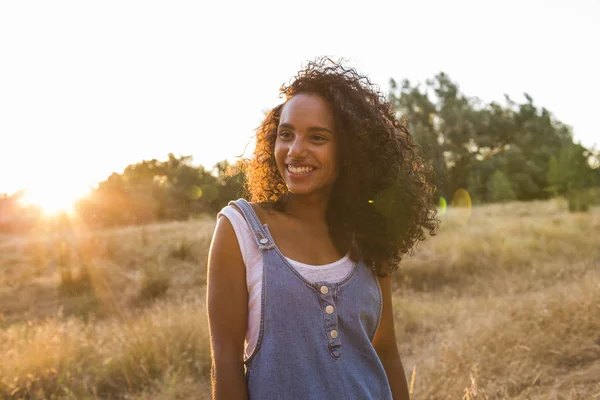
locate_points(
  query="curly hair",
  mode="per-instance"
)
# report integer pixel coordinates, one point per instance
(382, 201)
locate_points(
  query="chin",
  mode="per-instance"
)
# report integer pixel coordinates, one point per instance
(299, 190)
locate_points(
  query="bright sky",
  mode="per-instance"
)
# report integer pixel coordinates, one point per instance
(87, 88)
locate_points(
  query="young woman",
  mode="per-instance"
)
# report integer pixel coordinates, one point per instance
(299, 289)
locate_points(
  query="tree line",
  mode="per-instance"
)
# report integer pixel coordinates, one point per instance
(155, 190)
(496, 152)
(145, 192)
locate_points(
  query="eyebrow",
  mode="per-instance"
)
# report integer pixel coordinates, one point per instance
(310, 129)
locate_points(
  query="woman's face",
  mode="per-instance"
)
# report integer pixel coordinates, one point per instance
(306, 149)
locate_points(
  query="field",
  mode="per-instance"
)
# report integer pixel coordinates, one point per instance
(504, 303)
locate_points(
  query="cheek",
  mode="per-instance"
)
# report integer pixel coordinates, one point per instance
(336, 163)
(332, 156)
(280, 152)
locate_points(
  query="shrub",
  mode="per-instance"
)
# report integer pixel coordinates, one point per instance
(499, 188)
(71, 284)
(182, 251)
(580, 200)
(155, 282)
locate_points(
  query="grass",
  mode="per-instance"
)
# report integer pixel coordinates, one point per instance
(155, 282)
(66, 357)
(503, 304)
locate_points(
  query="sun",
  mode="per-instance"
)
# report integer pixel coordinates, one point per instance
(53, 199)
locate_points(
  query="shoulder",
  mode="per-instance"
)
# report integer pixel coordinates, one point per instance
(229, 230)
(234, 212)
(224, 236)
(233, 206)
(264, 211)
(235, 222)
(230, 210)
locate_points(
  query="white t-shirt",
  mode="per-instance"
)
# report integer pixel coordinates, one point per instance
(252, 257)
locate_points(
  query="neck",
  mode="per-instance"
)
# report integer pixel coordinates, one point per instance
(310, 209)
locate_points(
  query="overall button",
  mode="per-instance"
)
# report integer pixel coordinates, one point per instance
(324, 289)
(329, 309)
(264, 241)
(334, 334)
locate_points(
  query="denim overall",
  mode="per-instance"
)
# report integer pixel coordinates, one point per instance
(315, 337)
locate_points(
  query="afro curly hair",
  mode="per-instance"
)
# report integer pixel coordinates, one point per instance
(382, 202)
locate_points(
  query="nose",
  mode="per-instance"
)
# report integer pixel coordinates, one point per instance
(297, 149)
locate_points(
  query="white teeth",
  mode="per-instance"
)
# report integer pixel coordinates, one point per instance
(299, 170)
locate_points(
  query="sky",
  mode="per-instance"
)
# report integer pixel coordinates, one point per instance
(87, 88)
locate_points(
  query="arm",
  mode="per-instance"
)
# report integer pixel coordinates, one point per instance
(386, 347)
(227, 303)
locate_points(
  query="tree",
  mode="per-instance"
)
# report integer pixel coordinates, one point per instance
(153, 190)
(466, 140)
(570, 170)
(499, 188)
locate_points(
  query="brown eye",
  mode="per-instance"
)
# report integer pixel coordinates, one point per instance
(285, 134)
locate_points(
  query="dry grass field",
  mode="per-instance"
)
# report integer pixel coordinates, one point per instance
(503, 304)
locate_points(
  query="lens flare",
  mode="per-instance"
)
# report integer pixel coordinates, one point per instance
(53, 199)
(442, 206)
(195, 192)
(461, 198)
(461, 201)
(209, 192)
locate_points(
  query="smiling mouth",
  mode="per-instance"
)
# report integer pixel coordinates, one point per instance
(300, 170)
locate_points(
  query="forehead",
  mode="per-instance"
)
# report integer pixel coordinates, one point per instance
(307, 109)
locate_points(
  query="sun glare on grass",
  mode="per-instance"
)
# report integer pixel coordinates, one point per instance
(53, 199)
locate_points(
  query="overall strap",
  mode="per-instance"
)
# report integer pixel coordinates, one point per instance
(263, 240)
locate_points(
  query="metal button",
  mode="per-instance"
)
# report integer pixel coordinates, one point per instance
(334, 333)
(324, 289)
(329, 309)
(264, 241)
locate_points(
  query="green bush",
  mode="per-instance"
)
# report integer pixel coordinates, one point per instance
(581, 200)
(499, 188)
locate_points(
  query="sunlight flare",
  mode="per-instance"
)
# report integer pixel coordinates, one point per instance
(53, 198)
